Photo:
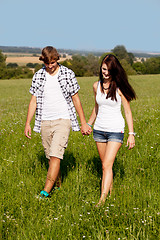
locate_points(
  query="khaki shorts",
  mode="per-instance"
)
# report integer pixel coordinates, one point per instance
(55, 135)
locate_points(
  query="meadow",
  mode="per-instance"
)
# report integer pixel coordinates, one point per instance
(132, 212)
(23, 58)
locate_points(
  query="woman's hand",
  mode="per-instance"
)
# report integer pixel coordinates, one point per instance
(86, 129)
(131, 142)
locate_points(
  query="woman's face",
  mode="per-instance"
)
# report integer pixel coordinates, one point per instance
(105, 72)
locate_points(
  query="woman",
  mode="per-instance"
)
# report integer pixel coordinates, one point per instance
(112, 89)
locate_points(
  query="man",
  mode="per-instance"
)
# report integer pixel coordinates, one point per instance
(54, 98)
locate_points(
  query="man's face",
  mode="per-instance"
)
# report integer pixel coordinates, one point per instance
(51, 67)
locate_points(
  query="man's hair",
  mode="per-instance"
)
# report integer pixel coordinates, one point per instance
(49, 54)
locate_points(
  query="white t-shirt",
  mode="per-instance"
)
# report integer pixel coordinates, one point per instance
(109, 117)
(55, 105)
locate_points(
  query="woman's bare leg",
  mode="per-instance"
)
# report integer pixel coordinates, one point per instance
(107, 154)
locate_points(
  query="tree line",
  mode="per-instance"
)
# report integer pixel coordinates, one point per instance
(13, 71)
(84, 65)
(89, 65)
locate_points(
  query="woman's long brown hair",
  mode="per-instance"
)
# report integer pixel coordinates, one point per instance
(118, 78)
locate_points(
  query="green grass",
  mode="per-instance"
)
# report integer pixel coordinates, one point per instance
(132, 212)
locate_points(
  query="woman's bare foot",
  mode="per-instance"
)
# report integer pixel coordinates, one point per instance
(101, 200)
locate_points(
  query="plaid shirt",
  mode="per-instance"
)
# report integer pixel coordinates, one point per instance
(69, 86)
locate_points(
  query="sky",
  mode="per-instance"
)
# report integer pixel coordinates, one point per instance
(81, 25)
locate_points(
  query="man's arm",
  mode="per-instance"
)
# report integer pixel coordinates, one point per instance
(85, 128)
(31, 111)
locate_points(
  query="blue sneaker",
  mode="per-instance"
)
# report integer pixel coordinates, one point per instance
(44, 194)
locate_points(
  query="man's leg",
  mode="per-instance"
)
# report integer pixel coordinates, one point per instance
(53, 171)
(54, 139)
(59, 180)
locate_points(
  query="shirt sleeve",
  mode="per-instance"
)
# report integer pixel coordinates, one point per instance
(33, 89)
(73, 84)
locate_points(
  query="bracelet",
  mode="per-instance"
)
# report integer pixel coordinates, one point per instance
(132, 133)
(89, 124)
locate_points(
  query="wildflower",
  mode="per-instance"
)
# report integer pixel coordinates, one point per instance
(55, 218)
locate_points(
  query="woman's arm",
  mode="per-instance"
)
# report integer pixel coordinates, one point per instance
(95, 109)
(129, 119)
(85, 129)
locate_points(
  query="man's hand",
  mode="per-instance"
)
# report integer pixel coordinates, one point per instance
(31, 111)
(86, 129)
(27, 131)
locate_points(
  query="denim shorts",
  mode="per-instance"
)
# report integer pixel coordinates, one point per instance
(101, 136)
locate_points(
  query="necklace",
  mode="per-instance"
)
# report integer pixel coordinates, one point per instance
(105, 88)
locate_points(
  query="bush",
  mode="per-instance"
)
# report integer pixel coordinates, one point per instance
(12, 65)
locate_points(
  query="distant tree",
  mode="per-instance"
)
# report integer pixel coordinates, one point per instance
(131, 58)
(12, 65)
(30, 65)
(139, 67)
(2, 60)
(2, 65)
(37, 66)
(152, 65)
(92, 66)
(78, 64)
(127, 67)
(2, 57)
(66, 63)
(120, 51)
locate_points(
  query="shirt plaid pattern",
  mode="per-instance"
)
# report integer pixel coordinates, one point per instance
(69, 87)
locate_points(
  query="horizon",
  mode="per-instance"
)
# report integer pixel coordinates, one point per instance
(86, 50)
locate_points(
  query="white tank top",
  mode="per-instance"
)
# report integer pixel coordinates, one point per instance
(55, 105)
(109, 117)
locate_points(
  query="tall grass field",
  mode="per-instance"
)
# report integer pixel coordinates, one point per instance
(133, 209)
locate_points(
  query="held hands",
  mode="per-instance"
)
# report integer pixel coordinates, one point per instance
(131, 142)
(27, 131)
(86, 129)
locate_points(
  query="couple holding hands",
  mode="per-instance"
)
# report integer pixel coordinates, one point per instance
(54, 102)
